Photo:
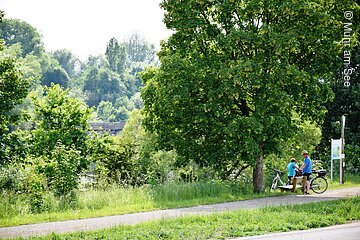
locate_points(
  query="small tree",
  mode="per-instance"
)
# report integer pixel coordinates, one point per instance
(64, 165)
(58, 142)
(59, 118)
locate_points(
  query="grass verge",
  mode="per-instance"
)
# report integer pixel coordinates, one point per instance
(233, 224)
(350, 181)
(15, 210)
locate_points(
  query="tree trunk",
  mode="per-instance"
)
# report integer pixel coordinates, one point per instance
(258, 175)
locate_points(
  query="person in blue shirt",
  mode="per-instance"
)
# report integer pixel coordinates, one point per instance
(306, 170)
(292, 167)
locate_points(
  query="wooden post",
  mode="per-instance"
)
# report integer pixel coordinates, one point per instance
(303, 183)
(293, 181)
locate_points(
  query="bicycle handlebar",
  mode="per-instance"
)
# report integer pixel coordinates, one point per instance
(278, 171)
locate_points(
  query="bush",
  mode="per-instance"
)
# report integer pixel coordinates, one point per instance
(352, 158)
(10, 178)
(36, 193)
(34, 185)
(62, 169)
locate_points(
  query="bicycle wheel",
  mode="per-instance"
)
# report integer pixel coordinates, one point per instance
(319, 185)
(274, 184)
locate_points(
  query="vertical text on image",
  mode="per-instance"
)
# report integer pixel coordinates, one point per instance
(348, 70)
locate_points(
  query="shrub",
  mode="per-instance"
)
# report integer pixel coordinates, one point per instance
(10, 178)
(62, 169)
(34, 184)
(352, 158)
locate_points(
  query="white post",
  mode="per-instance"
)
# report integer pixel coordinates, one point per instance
(331, 170)
(342, 150)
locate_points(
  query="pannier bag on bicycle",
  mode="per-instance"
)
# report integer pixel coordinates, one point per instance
(321, 172)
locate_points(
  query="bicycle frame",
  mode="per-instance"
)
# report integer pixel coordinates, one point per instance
(275, 181)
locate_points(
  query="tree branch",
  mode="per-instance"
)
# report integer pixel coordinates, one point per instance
(241, 170)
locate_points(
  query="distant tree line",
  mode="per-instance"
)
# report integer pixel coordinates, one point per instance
(109, 83)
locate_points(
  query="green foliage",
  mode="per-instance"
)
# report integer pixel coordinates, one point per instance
(113, 157)
(36, 192)
(13, 89)
(70, 63)
(106, 112)
(345, 103)
(52, 71)
(307, 136)
(55, 75)
(233, 73)
(57, 173)
(59, 118)
(101, 84)
(150, 165)
(352, 159)
(114, 199)
(138, 50)
(116, 56)
(53, 152)
(62, 169)
(172, 193)
(10, 178)
(16, 31)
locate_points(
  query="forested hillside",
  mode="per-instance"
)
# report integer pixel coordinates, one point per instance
(109, 82)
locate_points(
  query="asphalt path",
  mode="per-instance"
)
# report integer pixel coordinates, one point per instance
(129, 219)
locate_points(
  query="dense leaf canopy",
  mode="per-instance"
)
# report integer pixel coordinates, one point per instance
(234, 72)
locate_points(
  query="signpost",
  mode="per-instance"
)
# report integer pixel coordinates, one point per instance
(337, 152)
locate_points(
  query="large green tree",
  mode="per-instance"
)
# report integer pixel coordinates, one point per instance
(139, 50)
(13, 89)
(233, 74)
(68, 61)
(55, 75)
(102, 84)
(116, 56)
(346, 103)
(16, 31)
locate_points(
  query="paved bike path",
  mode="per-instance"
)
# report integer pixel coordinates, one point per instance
(128, 219)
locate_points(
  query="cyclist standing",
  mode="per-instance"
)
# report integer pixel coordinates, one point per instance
(306, 170)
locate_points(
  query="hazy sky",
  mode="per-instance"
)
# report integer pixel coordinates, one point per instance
(85, 26)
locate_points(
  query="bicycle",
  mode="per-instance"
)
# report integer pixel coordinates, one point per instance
(319, 184)
(277, 179)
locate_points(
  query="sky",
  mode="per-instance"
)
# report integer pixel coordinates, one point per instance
(85, 26)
